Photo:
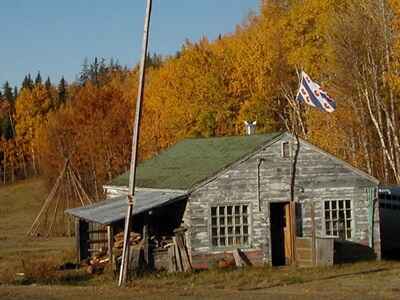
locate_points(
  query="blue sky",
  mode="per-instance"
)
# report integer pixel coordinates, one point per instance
(54, 36)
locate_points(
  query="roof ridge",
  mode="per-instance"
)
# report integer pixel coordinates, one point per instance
(230, 136)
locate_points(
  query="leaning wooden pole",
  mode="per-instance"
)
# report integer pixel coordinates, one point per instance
(293, 187)
(135, 143)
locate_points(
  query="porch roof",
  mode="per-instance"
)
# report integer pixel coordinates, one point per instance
(113, 210)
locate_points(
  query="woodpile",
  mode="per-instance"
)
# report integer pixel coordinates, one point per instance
(134, 239)
(135, 247)
(97, 263)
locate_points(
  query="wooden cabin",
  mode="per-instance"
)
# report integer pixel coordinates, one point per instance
(235, 193)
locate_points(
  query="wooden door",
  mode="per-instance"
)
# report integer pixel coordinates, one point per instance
(287, 233)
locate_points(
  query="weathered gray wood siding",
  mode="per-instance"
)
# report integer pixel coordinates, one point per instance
(319, 177)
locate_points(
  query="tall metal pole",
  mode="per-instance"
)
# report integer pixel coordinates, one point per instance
(135, 145)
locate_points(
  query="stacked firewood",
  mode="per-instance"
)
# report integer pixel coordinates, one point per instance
(97, 263)
(161, 242)
(134, 239)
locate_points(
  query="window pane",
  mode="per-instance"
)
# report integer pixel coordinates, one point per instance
(214, 231)
(230, 241)
(349, 234)
(222, 241)
(221, 221)
(215, 242)
(245, 240)
(245, 229)
(244, 209)
(245, 220)
(213, 211)
(326, 205)
(334, 215)
(230, 220)
(335, 225)
(348, 214)
(333, 204)
(340, 204)
(214, 221)
(237, 220)
(237, 210)
(348, 224)
(230, 230)
(327, 215)
(222, 231)
(348, 204)
(285, 149)
(237, 230)
(221, 210)
(237, 242)
(328, 226)
(229, 209)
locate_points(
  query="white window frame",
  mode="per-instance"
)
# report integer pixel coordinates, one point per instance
(289, 144)
(213, 236)
(333, 218)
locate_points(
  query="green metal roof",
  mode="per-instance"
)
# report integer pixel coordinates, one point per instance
(193, 160)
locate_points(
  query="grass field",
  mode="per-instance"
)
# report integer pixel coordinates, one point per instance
(38, 259)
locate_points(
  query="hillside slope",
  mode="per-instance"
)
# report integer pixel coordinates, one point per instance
(19, 204)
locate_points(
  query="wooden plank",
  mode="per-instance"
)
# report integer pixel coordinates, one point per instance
(110, 241)
(238, 259)
(313, 235)
(172, 260)
(77, 241)
(98, 231)
(145, 239)
(184, 253)
(104, 241)
(177, 256)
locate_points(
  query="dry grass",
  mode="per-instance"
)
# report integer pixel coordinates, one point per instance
(19, 204)
(40, 260)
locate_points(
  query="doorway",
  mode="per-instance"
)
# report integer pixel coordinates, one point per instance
(281, 243)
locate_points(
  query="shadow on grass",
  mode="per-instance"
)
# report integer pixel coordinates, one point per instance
(299, 280)
(74, 278)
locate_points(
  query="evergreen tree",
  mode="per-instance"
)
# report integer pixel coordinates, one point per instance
(28, 82)
(38, 80)
(6, 122)
(15, 93)
(8, 92)
(7, 131)
(47, 84)
(62, 91)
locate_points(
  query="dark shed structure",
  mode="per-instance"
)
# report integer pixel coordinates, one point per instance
(105, 219)
(237, 192)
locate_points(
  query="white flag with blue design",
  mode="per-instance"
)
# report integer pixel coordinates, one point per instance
(312, 94)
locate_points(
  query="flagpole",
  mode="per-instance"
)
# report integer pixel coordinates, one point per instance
(135, 146)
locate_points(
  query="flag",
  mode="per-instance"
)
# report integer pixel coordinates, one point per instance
(312, 94)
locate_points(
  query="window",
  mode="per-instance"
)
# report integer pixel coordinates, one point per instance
(338, 218)
(285, 149)
(389, 201)
(230, 225)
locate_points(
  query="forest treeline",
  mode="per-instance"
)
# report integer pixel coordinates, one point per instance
(209, 88)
